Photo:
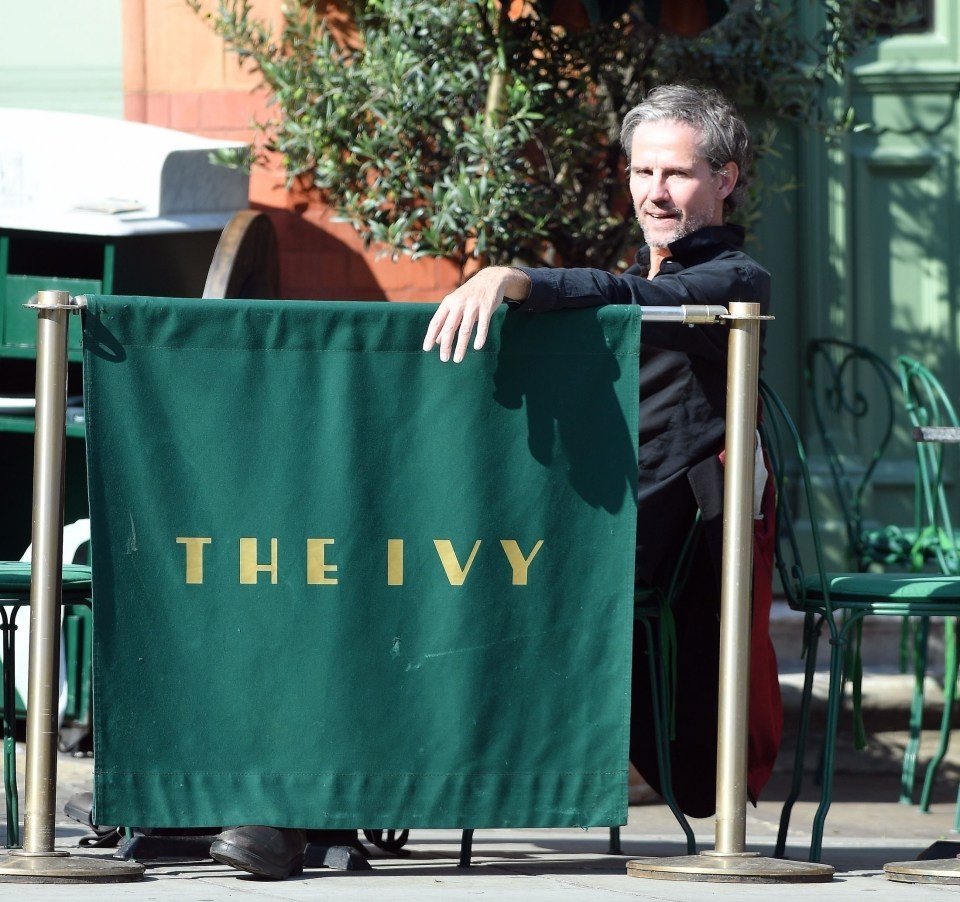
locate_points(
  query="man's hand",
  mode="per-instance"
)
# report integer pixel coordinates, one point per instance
(473, 304)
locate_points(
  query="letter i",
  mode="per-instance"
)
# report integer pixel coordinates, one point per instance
(394, 562)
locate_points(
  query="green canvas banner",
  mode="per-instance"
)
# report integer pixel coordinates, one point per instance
(340, 584)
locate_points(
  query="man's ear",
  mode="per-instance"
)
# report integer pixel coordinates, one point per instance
(728, 175)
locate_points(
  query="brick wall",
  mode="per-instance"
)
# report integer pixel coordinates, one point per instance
(178, 74)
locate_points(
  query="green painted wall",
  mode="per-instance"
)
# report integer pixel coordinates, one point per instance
(901, 223)
(63, 55)
(865, 248)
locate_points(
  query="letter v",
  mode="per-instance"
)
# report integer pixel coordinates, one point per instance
(451, 564)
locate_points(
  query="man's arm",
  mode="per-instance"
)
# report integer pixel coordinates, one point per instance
(473, 304)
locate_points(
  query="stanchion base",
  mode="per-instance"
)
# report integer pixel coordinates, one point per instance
(709, 867)
(944, 870)
(61, 867)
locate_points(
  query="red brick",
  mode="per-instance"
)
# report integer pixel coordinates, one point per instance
(135, 107)
(227, 110)
(158, 110)
(185, 112)
(267, 188)
(404, 278)
(293, 235)
(317, 275)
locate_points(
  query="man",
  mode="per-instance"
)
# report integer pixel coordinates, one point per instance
(688, 154)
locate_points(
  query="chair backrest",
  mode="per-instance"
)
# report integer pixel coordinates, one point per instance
(794, 492)
(928, 404)
(854, 396)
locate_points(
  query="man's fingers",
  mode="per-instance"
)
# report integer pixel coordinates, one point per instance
(466, 308)
(441, 331)
(467, 323)
(451, 328)
(432, 336)
(483, 329)
(463, 341)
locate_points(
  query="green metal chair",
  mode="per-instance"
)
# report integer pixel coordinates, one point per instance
(653, 610)
(928, 404)
(76, 698)
(15, 579)
(856, 397)
(837, 601)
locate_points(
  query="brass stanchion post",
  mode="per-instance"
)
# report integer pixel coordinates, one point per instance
(38, 861)
(729, 862)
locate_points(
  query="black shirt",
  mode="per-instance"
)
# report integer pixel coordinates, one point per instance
(683, 369)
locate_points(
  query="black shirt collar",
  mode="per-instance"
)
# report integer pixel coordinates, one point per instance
(690, 249)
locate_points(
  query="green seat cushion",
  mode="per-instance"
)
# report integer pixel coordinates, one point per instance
(15, 580)
(881, 586)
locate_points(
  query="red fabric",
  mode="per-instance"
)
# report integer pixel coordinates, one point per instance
(766, 709)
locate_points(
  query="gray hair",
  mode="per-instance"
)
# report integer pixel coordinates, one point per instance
(724, 135)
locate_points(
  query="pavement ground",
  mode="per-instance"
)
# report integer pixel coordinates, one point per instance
(866, 828)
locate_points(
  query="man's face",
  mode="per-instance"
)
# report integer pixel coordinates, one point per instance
(674, 190)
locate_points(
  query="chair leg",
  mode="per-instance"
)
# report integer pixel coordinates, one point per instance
(71, 647)
(466, 848)
(949, 697)
(661, 722)
(838, 645)
(10, 728)
(811, 640)
(908, 773)
(614, 847)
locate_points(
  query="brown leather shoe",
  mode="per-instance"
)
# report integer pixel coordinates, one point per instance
(273, 853)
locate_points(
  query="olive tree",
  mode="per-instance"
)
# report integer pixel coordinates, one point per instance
(453, 129)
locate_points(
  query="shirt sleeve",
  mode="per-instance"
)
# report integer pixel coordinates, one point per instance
(718, 282)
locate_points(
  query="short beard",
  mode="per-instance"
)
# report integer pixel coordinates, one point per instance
(684, 227)
(655, 242)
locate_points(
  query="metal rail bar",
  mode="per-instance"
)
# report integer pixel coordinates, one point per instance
(686, 314)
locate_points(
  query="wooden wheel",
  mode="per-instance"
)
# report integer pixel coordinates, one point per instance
(245, 263)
